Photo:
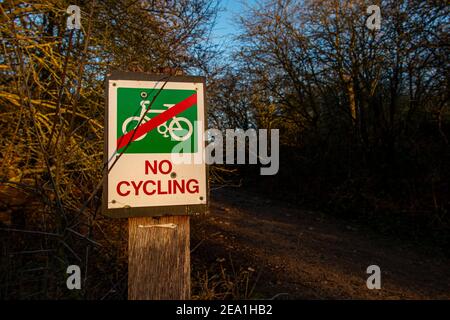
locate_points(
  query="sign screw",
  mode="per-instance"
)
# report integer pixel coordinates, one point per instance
(173, 175)
(114, 84)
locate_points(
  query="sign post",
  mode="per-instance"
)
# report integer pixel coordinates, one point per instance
(159, 259)
(157, 176)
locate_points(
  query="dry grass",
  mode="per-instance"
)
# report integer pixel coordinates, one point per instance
(222, 281)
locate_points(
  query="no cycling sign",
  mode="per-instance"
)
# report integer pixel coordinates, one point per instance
(149, 121)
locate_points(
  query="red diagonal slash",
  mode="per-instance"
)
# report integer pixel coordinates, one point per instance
(156, 121)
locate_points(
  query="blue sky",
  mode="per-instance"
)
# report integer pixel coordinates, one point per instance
(227, 22)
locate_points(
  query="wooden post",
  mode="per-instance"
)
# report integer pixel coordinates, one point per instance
(159, 259)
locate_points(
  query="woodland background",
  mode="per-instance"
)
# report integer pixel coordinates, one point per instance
(363, 115)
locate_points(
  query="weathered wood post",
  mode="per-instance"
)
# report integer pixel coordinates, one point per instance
(159, 258)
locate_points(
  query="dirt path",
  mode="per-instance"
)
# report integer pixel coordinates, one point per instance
(311, 256)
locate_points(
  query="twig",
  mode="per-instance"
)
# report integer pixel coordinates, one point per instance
(31, 231)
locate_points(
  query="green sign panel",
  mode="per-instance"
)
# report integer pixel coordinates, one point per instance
(132, 106)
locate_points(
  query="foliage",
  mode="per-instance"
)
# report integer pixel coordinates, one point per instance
(52, 106)
(363, 114)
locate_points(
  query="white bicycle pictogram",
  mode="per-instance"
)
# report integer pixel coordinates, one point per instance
(175, 128)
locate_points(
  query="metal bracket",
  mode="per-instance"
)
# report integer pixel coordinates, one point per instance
(163, 225)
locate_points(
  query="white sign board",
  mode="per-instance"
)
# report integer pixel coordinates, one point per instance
(155, 146)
